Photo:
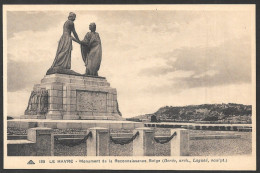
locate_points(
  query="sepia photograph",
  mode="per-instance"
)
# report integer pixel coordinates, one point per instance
(167, 87)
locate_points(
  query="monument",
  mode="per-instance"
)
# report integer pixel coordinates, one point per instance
(66, 94)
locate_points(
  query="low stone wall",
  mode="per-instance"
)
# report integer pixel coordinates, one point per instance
(201, 143)
(21, 148)
(72, 124)
(95, 142)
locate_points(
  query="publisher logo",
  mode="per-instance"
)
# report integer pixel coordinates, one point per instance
(30, 162)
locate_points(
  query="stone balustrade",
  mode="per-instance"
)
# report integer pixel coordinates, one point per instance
(97, 142)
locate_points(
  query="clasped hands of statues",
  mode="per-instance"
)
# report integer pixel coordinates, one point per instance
(78, 41)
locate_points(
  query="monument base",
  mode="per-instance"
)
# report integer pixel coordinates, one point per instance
(73, 97)
(54, 115)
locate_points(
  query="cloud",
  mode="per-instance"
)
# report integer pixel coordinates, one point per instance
(22, 75)
(228, 63)
(18, 21)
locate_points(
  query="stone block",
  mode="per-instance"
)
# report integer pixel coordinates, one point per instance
(85, 117)
(62, 80)
(104, 125)
(86, 113)
(40, 124)
(74, 125)
(143, 145)
(27, 125)
(43, 139)
(68, 87)
(180, 143)
(56, 87)
(21, 148)
(109, 103)
(112, 91)
(98, 114)
(53, 93)
(114, 97)
(77, 87)
(52, 125)
(115, 125)
(104, 84)
(98, 144)
(104, 117)
(73, 100)
(77, 81)
(109, 109)
(64, 107)
(66, 101)
(117, 115)
(62, 125)
(70, 116)
(85, 125)
(71, 93)
(110, 96)
(138, 125)
(129, 126)
(114, 109)
(64, 95)
(60, 93)
(68, 94)
(55, 106)
(93, 83)
(85, 88)
(86, 82)
(97, 89)
(54, 115)
(71, 108)
(73, 76)
(54, 100)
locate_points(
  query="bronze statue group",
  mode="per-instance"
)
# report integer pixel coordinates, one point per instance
(91, 49)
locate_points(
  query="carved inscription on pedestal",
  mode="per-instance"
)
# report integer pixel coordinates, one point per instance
(91, 101)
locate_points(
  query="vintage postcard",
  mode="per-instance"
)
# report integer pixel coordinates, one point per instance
(162, 87)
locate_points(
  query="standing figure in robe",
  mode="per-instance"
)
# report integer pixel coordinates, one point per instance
(91, 51)
(63, 54)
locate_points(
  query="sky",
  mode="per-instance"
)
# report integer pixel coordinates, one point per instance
(153, 58)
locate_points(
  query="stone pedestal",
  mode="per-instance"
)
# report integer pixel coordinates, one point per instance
(98, 144)
(143, 145)
(43, 139)
(79, 97)
(180, 143)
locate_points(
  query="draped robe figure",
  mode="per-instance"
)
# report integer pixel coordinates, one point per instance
(91, 52)
(63, 55)
(62, 61)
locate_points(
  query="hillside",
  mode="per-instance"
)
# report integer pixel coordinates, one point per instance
(227, 113)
